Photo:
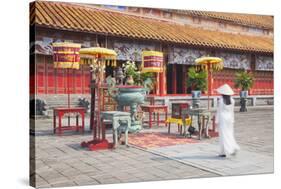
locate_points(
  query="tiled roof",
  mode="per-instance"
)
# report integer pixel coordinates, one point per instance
(67, 16)
(260, 21)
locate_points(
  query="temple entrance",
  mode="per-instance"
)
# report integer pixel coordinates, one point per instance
(169, 76)
(176, 78)
(180, 79)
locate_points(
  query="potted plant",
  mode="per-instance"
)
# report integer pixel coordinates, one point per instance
(197, 81)
(244, 81)
(131, 71)
(135, 77)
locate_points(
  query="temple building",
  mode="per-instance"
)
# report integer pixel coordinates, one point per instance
(244, 41)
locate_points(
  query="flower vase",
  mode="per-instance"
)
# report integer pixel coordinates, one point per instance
(130, 80)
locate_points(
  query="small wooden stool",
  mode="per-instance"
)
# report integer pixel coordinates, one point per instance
(115, 117)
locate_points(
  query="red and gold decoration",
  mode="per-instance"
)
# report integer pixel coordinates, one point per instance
(152, 61)
(209, 64)
(66, 56)
(98, 58)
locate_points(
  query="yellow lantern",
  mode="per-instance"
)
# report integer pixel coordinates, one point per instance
(66, 55)
(152, 61)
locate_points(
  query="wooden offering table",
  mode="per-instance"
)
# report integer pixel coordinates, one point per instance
(155, 109)
(61, 112)
(179, 116)
(203, 119)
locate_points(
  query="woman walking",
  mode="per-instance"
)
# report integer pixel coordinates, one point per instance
(225, 121)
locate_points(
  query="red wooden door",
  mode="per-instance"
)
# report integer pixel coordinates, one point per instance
(85, 79)
(50, 79)
(78, 81)
(40, 78)
(60, 81)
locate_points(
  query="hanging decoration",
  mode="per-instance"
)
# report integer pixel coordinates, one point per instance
(152, 61)
(66, 55)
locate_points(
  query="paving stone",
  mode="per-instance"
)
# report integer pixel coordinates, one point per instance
(40, 185)
(82, 182)
(237, 164)
(61, 161)
(64, 184)
(41, 182)
(108, 180)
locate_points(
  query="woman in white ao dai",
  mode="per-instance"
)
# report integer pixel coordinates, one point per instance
(225, 122)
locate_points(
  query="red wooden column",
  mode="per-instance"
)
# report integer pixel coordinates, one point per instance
(184, 77)
(252, 69)
(163, 75)
(272, 84)
(210, 81)
(157, 87)
(162, 81)
(161, 84)
(174, 79)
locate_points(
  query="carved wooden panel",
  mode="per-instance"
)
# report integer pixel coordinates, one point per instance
(185, 56)
(44, 45)
(235, 60)
(264, 63)
(131, 51)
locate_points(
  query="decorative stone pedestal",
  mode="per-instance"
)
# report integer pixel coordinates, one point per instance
(132, 96)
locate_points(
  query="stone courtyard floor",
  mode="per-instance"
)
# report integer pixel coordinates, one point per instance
(60, 161)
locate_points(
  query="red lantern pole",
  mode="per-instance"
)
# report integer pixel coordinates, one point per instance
(68, 92)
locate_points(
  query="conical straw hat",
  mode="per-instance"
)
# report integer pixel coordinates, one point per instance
(225, 90)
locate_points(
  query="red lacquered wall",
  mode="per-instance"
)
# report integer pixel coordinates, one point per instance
(48, 80)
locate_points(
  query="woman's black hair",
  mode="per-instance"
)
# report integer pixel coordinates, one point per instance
(226, 99)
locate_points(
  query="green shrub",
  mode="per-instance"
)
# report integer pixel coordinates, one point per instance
(197, 80)
(243, 80)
